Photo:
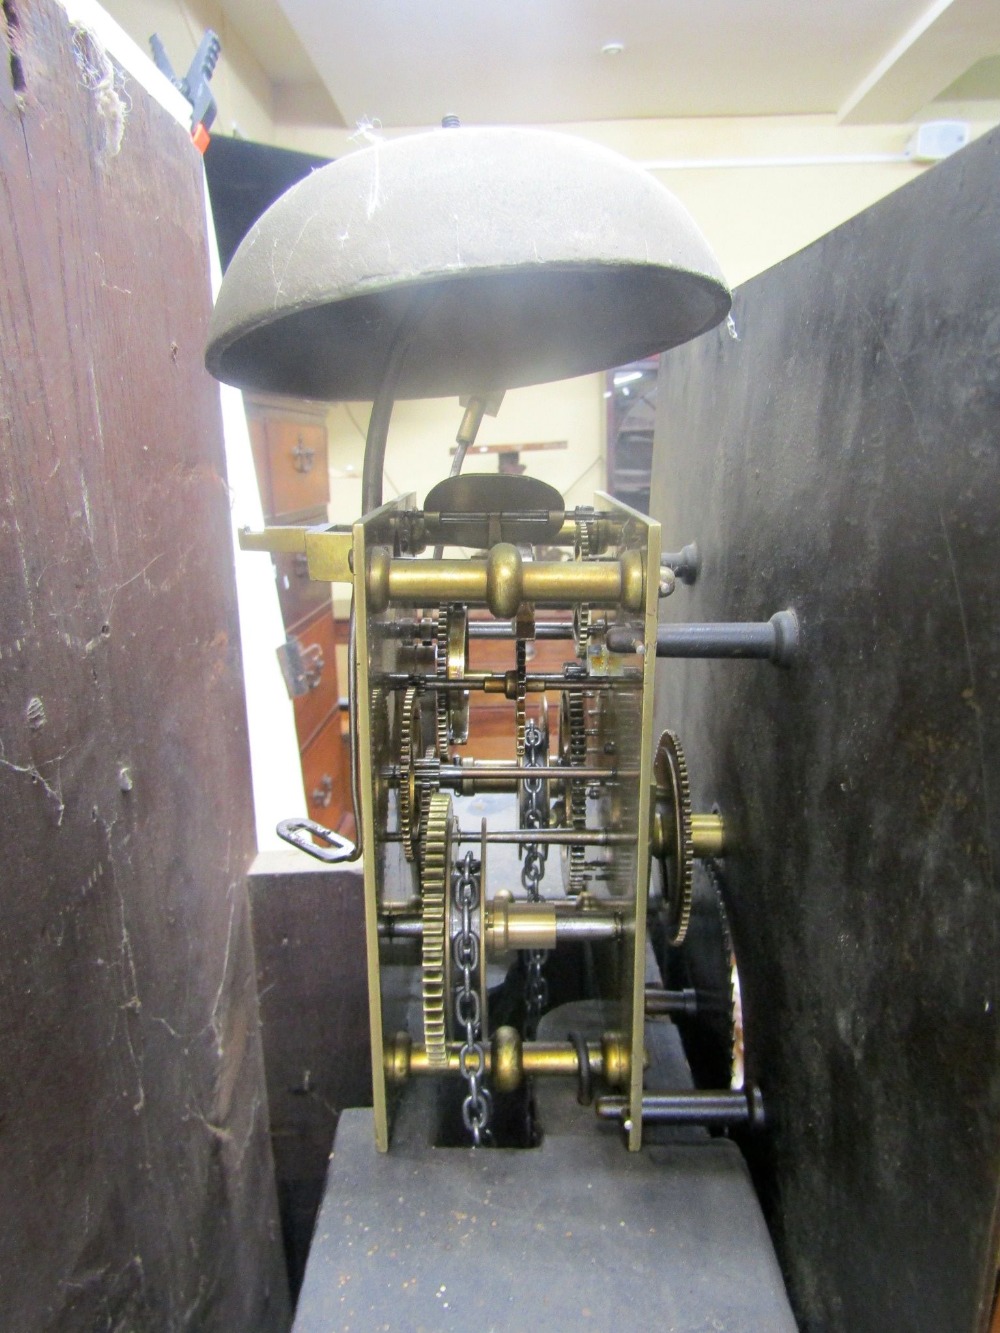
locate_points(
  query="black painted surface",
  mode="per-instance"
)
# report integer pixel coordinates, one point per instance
(244, 179)
(842, 457)
(575, 1234)
(136, 1182)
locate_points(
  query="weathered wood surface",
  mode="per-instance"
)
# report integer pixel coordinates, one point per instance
(136, 1186)
(842, 456)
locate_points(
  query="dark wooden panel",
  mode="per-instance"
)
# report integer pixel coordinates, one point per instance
(136, 1185)
(842, 456)
(309, 935)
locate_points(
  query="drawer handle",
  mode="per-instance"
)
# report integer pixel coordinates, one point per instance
(302, 456)
(301, 667)
(323, 794)
(297, 832)
(301, 565)
(313, 659)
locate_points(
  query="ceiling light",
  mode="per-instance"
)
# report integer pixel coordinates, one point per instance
(626, 377)
(612, 48)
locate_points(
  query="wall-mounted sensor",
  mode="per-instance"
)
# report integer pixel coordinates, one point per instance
(937, 139)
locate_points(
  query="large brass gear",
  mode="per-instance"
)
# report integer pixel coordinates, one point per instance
(673, 808)
(435, 891)
(410, 750)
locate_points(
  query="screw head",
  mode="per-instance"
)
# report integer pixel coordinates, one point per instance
(668, 581)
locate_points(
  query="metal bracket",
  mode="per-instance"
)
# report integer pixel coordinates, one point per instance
(298, 831)
(327, 550)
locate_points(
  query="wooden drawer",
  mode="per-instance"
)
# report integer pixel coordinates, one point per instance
(297, 476)
(298, 595)
(317, 643)
(258, 447)
(325, 774)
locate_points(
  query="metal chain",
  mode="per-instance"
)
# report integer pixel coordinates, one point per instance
(537, 988)
(466, 949)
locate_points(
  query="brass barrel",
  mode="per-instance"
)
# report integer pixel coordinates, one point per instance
(504, 580)
(708, 835)
(509, 1060)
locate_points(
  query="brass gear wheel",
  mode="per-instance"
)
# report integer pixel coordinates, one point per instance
(410, 750)
(573, 752)
(380, 755)
(452, 654)
(673, 807)
(441, 709)
(581, 612)
(435, 892)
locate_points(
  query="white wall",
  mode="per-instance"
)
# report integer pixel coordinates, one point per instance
(422, 436)
(753, 216)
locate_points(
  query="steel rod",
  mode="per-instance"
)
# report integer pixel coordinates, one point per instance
(504, 629)
(775, 640)
(553, 837)
(577, 926)
(743, 1106)
(547, 837)
(536, 683)
(490, 629)
(671, 1001)
(451, 773)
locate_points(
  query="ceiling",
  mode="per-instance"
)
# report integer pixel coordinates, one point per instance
(408, 62)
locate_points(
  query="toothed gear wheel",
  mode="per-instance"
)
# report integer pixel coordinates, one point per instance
(410, 750)
(673, 797)
(520, 713)
(706, 964)
(573, 748)
(452, 651)
(581, 613)
(380, 752)
(441, 714)
(435, 888)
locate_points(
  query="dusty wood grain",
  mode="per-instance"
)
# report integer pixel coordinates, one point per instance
(135, 1173)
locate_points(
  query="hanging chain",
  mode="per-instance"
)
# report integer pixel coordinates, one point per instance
(537, 988)
(468, 1011)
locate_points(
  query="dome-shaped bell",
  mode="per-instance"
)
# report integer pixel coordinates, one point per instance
(511, 257)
